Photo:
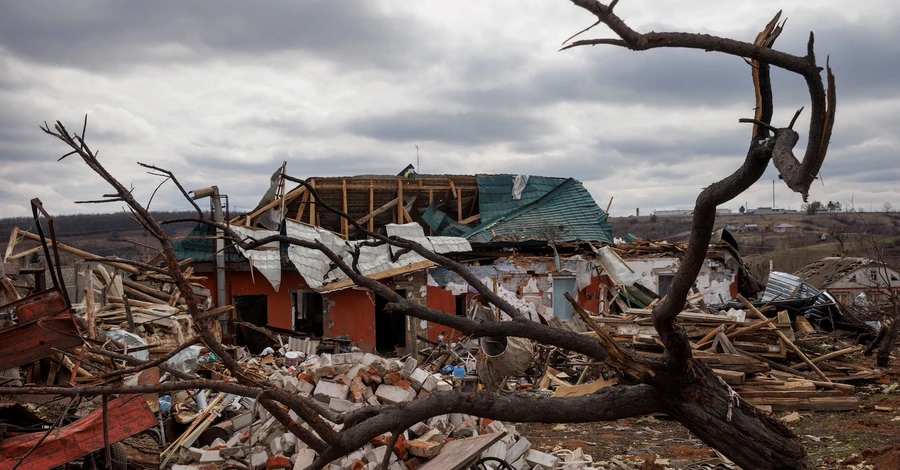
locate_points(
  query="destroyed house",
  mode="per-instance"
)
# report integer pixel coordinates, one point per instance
(846, 278)
(520, 234)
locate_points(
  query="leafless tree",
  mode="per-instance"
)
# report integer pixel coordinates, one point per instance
(674, 383)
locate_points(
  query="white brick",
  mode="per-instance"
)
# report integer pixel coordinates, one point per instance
(304, 458)
(535, 458)
(326, 390)
(392, 395)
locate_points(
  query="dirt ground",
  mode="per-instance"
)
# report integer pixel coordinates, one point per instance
(863, 439)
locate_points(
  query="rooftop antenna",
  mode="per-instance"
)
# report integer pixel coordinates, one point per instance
(418, 168)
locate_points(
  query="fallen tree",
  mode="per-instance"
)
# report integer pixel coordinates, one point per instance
(674, 383)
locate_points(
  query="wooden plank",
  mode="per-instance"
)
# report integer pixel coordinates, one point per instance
(842, 352)
(128, 416)
(304, 202)
(377, 212)
(13, 238)
(461, 453)
(469, 220)
(808, 404)
(731, 377)
(378, 276)
(584, 389)
(785, 339)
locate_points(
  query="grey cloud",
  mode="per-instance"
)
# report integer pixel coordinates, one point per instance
(112, 35)
(464, 128)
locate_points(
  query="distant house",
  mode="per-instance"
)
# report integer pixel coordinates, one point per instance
(751, 228)
(732, 226)
(845, 278)
(782, 228)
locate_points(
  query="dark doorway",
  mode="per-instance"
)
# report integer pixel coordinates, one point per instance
(390, 328)
(252, 310)
(308, 312)
(665, 282)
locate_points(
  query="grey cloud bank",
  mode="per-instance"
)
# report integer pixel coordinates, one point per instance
(223, 92)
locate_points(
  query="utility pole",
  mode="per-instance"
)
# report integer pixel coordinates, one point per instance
(773, 194)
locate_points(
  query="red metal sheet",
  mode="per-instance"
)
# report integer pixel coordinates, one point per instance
(42, 304)
(28, 342)
(127, 416)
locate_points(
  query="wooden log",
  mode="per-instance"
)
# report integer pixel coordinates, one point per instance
(156, 293)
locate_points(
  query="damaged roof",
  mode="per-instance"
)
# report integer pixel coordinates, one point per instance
(827, 271)
(522, 209)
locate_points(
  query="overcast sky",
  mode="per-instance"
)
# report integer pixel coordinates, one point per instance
(221, 92)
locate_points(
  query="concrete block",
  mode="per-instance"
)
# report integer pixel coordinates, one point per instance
(304, 458)
(277, 446)
(409, 366)
(418, 378)
(232, 452)
(430, 383)
(242, 420)
(258, 457)
(442, 426)
(341, 406)
(443, 386)
(425, 449)
(211, 456)
(368, 359)
(468, 428)
(326, 390)
(392, 395)
(190, 454)
(537, 458)
(419, 428)
(517, 450)
(376, 455)
(304, 388)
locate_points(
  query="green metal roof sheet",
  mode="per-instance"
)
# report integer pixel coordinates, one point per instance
(564, 213)
(495, 193)
(199, 245)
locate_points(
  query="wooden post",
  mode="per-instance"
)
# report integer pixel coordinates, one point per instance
(128, 315)
(106, 432)
(371, 205)
(312, 204)
(304, 201)
(345, 227)
(282, 187)
(399, 201)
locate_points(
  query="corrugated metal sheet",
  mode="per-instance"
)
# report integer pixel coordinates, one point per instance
(495, 193)
(566, 213)
(781, 286)
(318, 271)
(267, 258)
(312, 264)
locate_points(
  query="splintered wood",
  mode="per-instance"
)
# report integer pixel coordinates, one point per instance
(771, 362)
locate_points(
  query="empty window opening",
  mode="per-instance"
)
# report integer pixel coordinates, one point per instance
(309, 312)
(250, 311)
(390, 327)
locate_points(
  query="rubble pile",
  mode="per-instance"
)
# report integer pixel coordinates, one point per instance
(346, 382)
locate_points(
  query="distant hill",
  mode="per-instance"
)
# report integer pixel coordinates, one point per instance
(101, 234)
(788, 250)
